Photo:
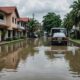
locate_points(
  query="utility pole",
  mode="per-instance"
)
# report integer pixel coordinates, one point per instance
(33, 15)
(33, 23)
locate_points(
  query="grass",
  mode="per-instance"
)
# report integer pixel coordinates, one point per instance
(8, 42)
(75, 40)
(78, 41)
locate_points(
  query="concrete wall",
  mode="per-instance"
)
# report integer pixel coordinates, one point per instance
(8, 20)
(13, 25)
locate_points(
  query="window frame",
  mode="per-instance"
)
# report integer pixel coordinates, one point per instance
(1, 15)
(13, 19)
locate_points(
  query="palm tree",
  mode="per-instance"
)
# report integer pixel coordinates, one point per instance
(76, 16)
(68, 22)
(76, 11)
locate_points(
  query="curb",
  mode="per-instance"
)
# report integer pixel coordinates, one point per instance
(8, 42)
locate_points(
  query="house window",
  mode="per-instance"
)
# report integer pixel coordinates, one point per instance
(13, 19)
(18, 22)
(1, 17)
(24, 25)
(21, 23)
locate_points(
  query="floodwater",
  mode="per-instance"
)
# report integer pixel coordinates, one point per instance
(37, 59)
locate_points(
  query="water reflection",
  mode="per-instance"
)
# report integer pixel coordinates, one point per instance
(9, 58)
(10, 55)
(71, 55)
(74, 62)
(36, 59)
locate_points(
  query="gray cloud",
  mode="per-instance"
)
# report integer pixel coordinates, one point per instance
(6, 3)
(39, 7)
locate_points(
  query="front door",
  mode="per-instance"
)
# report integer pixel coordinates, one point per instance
(2, 35)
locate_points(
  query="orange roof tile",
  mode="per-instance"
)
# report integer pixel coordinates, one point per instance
(23, 19)
(9, 9)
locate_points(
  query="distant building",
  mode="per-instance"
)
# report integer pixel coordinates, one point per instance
(22, 25)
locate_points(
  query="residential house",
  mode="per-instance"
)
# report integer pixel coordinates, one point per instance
(11, 25)
(22, 26)
(8, 22)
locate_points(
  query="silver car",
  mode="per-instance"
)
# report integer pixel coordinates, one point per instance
(59, 36)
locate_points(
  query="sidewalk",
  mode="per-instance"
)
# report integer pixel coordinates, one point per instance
(8, 42)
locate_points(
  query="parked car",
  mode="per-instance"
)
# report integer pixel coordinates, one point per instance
(59, 36)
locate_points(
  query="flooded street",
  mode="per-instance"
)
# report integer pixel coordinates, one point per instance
(37, 59)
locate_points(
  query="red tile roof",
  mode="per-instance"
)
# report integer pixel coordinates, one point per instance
(23, 19)
(9, 10)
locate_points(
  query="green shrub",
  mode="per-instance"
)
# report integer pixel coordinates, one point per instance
(9, 39)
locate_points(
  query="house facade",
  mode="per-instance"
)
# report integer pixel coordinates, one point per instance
(22, 26)
(11, 25)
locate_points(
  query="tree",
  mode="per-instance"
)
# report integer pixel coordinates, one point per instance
(68, 22)
(73, 18)
(76, 17)
(33, 26)
(76, 11)
(51, 20)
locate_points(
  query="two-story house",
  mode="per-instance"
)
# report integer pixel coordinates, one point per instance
(22, 26)
(8, 22)
(11, 25)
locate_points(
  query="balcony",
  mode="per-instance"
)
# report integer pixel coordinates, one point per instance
(20, 27)
(2, 22)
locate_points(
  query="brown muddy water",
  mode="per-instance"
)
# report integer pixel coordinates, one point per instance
(37, 59)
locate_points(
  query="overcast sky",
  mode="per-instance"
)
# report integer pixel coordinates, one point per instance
(39, 7)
